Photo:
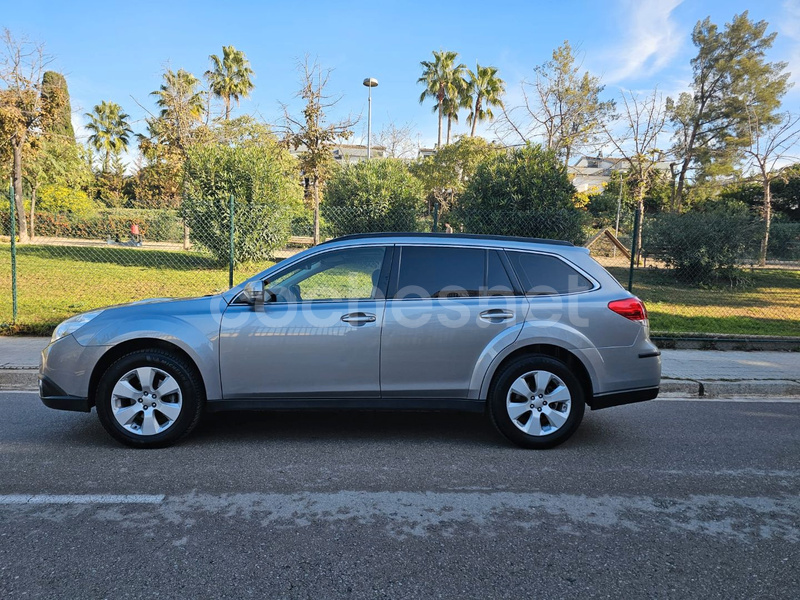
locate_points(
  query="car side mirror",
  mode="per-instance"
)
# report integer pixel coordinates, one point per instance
(253, 293)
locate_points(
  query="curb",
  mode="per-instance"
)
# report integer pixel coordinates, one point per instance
(721, 341)
(19, 379)
(725, 389)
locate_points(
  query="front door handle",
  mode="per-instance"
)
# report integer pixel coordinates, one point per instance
(358, 317)
(495, 315)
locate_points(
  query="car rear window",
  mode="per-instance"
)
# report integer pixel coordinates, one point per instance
(443, 272)
(542, 274)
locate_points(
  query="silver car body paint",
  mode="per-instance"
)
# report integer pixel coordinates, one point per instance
(281, 352)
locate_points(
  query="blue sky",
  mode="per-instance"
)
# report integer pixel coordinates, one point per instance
(117, 50)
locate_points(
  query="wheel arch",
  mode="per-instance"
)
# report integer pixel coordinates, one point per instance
(542, 349)
(118, 351)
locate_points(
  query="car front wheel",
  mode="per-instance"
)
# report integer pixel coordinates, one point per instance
(536, 402)
(149, 398)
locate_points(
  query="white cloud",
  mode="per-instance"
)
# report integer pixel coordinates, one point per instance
(790, 27)
(651, 38)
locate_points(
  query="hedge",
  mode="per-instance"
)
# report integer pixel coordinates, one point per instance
(154, 225)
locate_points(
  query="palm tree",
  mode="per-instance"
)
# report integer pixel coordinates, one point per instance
(442, 79)
(487, 89)
(182, 106)
(110, 130)
(453, 104)
(230, 76)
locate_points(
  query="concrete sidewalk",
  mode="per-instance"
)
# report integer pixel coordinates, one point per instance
(685, 373)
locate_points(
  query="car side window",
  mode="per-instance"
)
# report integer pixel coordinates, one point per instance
(498, 282)
(542, 274)
(446, 272)
(347, 274)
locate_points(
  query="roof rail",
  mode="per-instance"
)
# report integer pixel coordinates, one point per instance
(467, 236)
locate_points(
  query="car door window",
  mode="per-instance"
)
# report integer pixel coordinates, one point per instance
(349, 274)
(498, 282)
(444, 272)
(542, 274)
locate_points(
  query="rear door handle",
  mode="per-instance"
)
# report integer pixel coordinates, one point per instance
(495, 315)
(358, 317)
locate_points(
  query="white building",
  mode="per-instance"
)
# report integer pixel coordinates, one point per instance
(592, 173)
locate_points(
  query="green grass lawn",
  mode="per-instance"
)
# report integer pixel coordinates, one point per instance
(769, 304)
(56, 282)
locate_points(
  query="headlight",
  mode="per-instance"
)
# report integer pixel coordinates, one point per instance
(72, 324)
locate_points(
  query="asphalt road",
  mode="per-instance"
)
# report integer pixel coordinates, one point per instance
(663, 499)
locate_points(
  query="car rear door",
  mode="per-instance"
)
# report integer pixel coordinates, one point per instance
(447, 305)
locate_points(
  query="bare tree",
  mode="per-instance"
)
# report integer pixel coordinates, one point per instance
(398, 141)
(312, 135)
(639, 125)
(561, 107)
(22, 64)
(767, 155)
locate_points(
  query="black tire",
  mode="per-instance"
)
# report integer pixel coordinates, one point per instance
(499, 391)
(191, 391)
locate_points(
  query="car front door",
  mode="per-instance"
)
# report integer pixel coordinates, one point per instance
(318, 335)
(447, 305)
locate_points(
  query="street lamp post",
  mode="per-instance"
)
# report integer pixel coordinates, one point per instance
(370, 82)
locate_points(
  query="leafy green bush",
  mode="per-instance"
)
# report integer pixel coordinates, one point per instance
(154, 225)
(702, 247)
(56, 199)
(265, 183)
(525, 192)
(784, 241)
(377, 195)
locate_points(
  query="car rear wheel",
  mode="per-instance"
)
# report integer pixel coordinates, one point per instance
(149, 398)
(536, 402)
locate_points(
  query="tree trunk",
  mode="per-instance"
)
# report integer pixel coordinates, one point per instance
(475, 116)
(640, 210)
(227, 107)
(315, 182)
(762, 261)
(16, 174)
(677, 195)
(33, 214)
(449, 124)
(186, 244)
(439, 138)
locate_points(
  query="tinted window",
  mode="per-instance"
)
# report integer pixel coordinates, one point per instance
(337, 275)
(498, 282)
(543, 274)
(441, 272)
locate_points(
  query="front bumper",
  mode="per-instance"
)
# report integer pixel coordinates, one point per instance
(54, 397)
(65, 373)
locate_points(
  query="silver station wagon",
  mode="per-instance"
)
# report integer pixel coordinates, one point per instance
(529, 331)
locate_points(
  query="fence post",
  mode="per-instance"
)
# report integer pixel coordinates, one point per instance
(13, 232)
(634, 245)
(230, 262)
(435, 226)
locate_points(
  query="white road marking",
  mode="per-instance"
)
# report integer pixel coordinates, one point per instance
(419, 514)
(81, 499)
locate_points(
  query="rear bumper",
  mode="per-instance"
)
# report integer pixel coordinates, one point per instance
(624, 397)
(53, 396)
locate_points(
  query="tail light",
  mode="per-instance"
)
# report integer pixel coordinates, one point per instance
(630, 308)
